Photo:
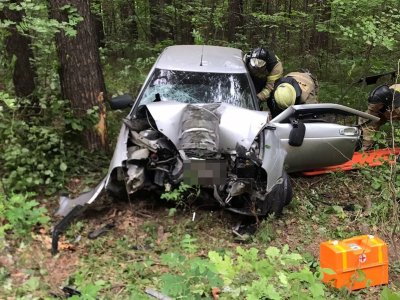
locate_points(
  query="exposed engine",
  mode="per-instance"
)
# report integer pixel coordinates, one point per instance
(236, 179)
(152, 158)
(199, 134)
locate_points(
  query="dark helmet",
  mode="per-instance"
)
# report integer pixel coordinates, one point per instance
(259, 57)
(382, 94)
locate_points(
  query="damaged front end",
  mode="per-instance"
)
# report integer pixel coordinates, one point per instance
(227, 150)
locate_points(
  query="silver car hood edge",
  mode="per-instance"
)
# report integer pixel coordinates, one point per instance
(67, 204)
(237, 125)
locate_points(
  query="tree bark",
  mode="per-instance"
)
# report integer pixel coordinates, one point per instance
(98, 24)
(128, 13)
(19, 45)
(320, 40)
(160, 23)
(235, 18)
(81, 77)
(185, 26)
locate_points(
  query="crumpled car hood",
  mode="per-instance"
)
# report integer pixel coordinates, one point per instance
(237, 125)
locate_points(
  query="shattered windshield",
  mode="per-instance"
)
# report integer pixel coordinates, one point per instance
(199, 87)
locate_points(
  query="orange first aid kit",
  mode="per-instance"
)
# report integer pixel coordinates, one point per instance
(358, 262)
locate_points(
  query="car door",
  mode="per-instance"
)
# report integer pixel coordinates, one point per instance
(324, 143)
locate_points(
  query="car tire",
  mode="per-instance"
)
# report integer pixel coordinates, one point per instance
(117, 192)
(276, 200)
(287, 188)
(281, 196)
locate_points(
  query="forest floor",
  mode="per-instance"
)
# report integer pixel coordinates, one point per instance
(125, 260)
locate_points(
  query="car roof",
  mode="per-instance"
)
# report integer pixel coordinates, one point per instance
(202, 58)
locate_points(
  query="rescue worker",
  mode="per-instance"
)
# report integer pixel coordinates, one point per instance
(264, 68)
(380, 103)
(294, 88)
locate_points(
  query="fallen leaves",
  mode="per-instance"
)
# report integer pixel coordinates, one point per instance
(45, 239)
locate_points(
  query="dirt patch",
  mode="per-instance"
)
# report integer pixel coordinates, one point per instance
(59, 268)
(35, 260)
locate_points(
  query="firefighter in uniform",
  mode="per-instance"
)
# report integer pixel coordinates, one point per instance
(294, 88)
(264, 68)
(383, 102)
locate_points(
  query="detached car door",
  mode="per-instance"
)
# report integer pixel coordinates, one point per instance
(312, 140)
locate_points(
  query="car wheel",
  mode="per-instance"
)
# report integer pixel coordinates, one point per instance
(280, 196)
(287, 188)
(117, 192)
(277, 201)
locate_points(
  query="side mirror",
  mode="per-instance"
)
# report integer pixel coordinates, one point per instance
(296, 136)
(121, 102)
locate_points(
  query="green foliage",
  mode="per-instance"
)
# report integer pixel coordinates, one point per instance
(365, 23)
(37, 25)
(175, 194)
(266, 232)
(276, 274)
(385, 184)
(181, 193)
(188, 278)
(19, 213)
(38, 147)
(363, 31)
(387, 294)
(89, 290)
(198, 39)
(34, 150)
(188, 244)
(126, 75)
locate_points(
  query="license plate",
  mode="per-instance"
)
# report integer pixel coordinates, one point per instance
(204, 172)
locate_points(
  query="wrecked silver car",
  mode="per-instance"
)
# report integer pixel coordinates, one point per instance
(197, 120)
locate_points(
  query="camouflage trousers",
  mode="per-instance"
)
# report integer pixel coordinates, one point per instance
(370, 127)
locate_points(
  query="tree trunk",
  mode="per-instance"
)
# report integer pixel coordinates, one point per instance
(98, 24)
(235, 18)
(81, 76)
(128, 14)
(19, 45)
(185, 26)
(160, 23)
(320, 40)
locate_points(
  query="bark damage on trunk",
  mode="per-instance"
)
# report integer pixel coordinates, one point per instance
(81, 77)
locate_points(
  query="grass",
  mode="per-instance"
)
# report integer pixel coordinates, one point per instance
(126, 260)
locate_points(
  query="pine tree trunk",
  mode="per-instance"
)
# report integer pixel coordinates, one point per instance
(98, 24)
(19, 46)
(160, 24)
(128, 13)
(235, 18)
(320, 40)
(81, 76)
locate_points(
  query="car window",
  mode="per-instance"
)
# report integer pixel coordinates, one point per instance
(198, 87)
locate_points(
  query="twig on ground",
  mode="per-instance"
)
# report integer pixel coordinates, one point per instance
(156, 294)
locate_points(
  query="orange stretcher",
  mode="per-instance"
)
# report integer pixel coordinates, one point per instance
(371, 158)
(355, 263)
